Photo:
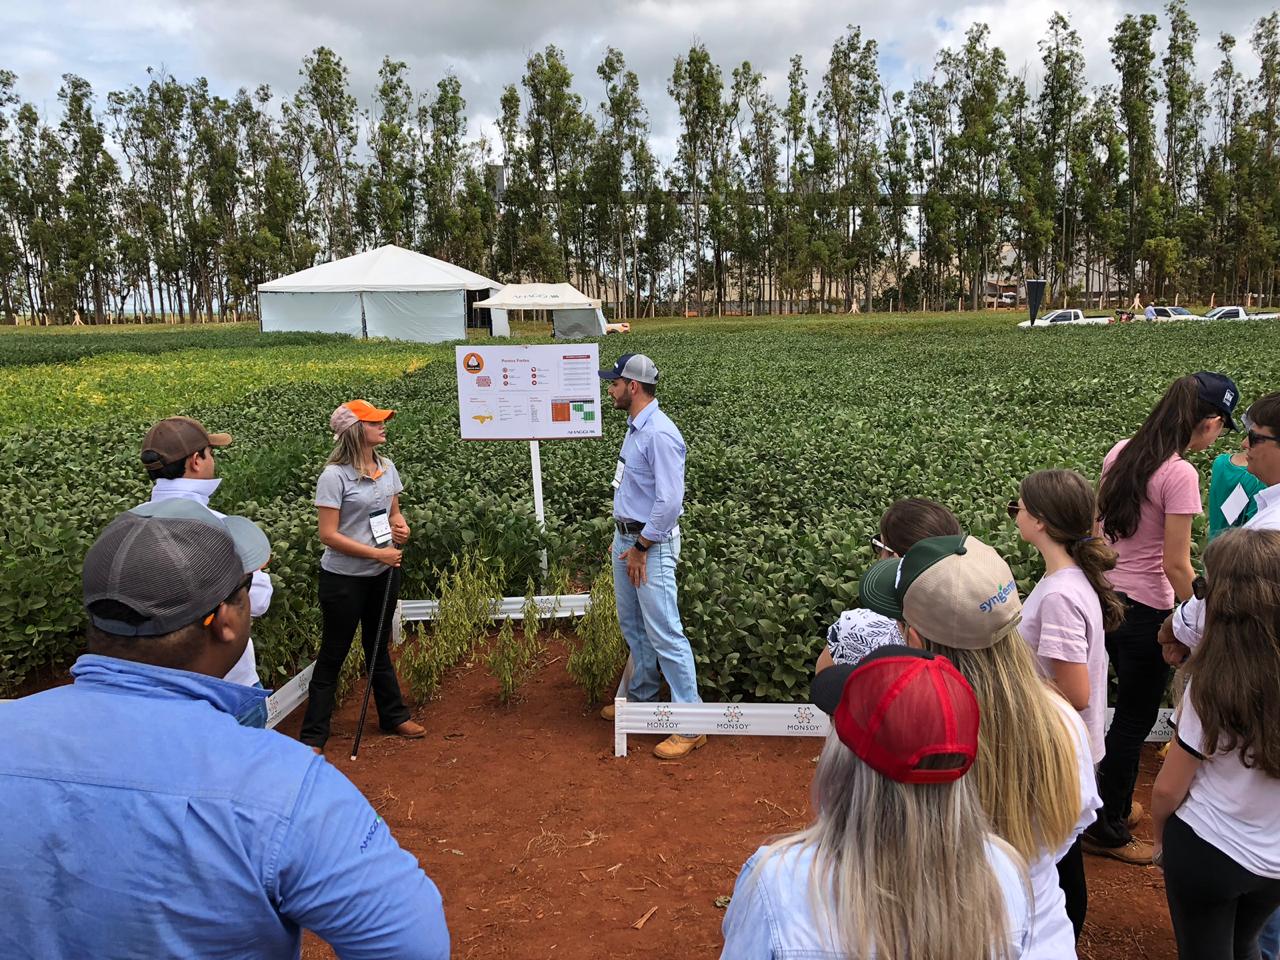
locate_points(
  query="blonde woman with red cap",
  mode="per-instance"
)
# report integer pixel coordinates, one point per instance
(900, 861)
(363, 531)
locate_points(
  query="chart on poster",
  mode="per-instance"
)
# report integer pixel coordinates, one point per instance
(530, 392)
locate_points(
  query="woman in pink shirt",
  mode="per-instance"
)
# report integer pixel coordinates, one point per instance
(1066, 616)
(1147, 499)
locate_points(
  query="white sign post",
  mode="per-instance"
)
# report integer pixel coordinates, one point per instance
(529, 392)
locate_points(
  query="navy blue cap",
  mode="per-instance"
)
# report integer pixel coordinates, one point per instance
(1219, 391)
(632, 366)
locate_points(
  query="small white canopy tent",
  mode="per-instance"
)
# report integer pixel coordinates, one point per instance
(387, 292)
(573, 314)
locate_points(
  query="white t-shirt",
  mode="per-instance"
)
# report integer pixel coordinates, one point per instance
(1052, 936)
(771, 914)
(1062, 620)
(1230, 806)
(1188, 619)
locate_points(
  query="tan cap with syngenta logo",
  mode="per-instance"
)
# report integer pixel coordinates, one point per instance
(956, 591)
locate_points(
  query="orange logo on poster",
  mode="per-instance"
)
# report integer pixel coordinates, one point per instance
(473, 363)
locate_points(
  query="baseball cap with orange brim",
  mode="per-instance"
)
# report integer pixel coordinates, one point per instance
(357, 411)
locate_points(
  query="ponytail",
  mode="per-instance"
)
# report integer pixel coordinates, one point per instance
(1095, 558)
(1165, 433)
(1064, 502)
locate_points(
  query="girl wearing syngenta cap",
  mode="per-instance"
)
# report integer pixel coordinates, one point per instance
(899, 862)
(358, 500)
(956, 597)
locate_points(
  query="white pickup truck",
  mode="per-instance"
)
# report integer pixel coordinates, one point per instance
(1168, 314)
(1238, 313)
(1062, 318)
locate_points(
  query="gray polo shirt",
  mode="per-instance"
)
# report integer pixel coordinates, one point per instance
(355, 497)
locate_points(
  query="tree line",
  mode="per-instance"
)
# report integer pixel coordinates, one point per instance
(170, 200)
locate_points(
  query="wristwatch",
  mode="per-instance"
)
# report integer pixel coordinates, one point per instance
(642, 546)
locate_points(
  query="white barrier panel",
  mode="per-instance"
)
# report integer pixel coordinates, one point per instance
(508, 608)
(751, 719)
(737, 719)
(285, 700)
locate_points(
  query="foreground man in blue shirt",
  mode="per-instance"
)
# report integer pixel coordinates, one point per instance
(648, 498)
(139, 819)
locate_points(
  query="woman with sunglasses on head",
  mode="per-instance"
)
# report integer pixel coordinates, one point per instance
(859, 631)
(1147, 498)
(1065, 617)
(1216, 800)
(899, 861)
(358, 502)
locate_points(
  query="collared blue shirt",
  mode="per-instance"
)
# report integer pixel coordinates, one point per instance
(139, 820)
(652, 487)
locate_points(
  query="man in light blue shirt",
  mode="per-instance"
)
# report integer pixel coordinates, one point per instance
(139, 819)
(648, 498)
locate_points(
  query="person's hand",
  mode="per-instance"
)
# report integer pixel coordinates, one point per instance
(388, 555)
(399, 529)
(637, 569)
(1174, 653)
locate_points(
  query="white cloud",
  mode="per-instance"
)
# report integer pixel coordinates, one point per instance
(486, 42)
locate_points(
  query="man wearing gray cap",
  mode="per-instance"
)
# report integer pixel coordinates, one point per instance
(648, 498)
(139, 819)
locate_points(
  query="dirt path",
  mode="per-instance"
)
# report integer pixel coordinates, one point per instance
(546, 846)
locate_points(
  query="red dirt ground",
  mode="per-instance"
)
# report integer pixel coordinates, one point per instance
(546, 846)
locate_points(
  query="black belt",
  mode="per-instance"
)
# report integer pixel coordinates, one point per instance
(628, 526)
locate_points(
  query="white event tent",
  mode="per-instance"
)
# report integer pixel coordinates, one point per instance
(573, 313)
(387, 292)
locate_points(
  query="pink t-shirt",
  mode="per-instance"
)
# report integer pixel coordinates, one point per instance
(1062, 620)
(1173, 489)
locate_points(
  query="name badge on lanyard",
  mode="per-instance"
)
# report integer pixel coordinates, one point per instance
(380, 525)
(617, 473)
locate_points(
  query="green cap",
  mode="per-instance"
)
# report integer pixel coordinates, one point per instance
(877, 590)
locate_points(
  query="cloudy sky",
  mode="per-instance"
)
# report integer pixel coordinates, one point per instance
(237, 43)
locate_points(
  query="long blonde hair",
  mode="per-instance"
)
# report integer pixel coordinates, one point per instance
(901, 870)
(352, 450)
(1027, 775)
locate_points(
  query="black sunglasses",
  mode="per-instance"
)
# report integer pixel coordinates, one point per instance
(1014, 509)
(1256, 438)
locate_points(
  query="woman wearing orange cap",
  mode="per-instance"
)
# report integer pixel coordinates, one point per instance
(358, 499)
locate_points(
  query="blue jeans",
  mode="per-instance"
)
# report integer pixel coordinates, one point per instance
(650, 621)
(1269, 938)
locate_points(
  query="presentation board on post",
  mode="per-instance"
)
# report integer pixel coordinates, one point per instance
(529, 392)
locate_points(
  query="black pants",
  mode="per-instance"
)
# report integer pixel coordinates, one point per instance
(1142, 677)
(346, 602)
(1074, 888)
(1217, 906)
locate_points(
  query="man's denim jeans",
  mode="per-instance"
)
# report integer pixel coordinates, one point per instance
(650, 621)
